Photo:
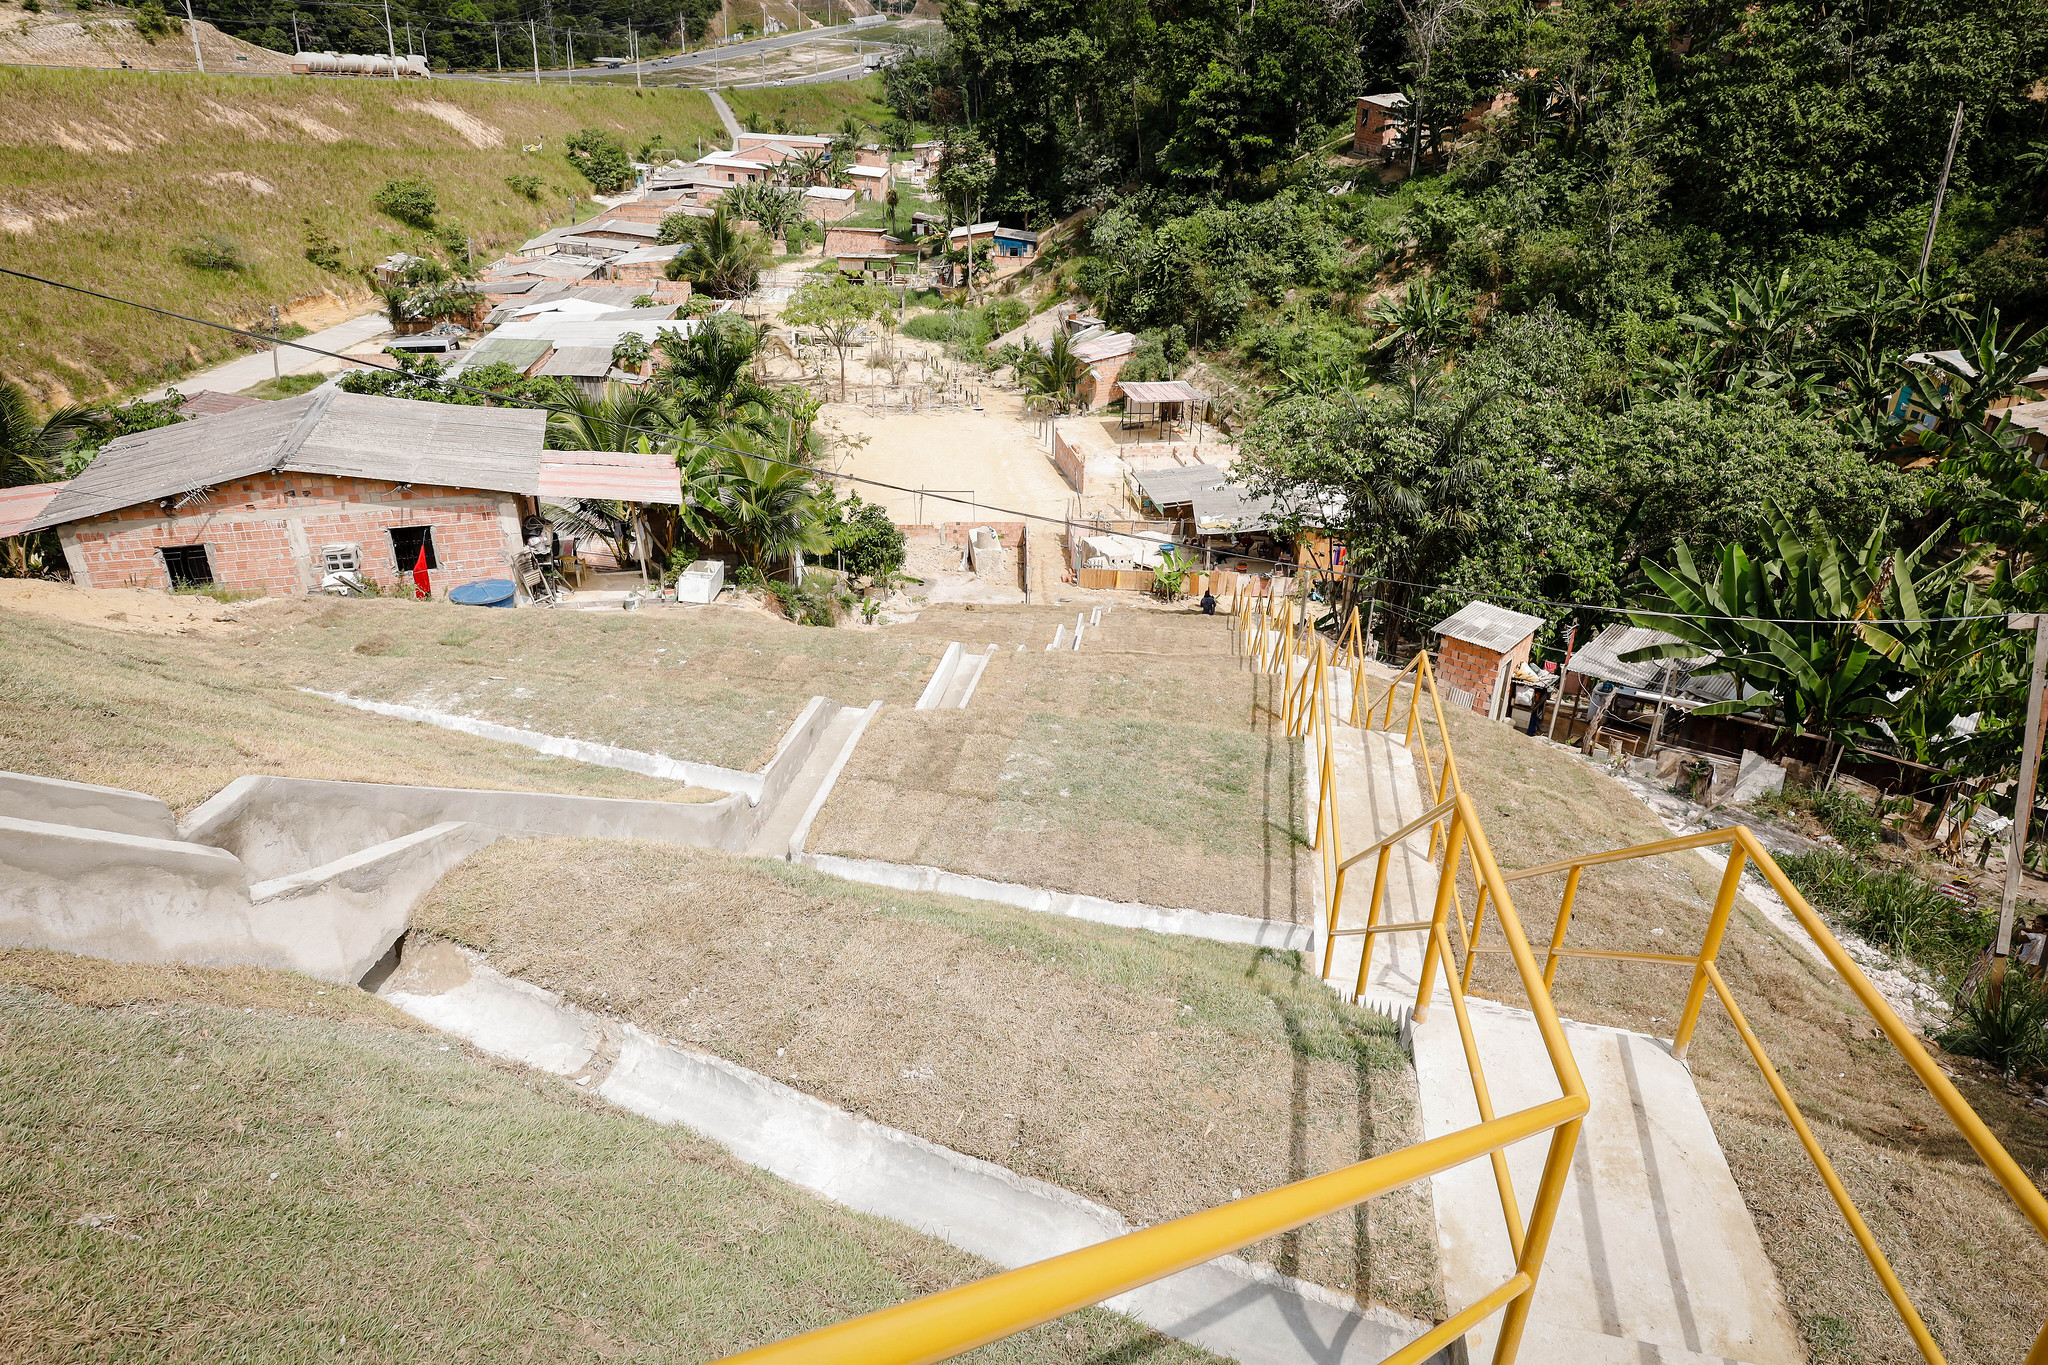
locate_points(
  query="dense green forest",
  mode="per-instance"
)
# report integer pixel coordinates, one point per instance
(1645, 301)
(470, 35)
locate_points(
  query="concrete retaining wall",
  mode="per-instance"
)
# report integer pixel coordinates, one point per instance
(336, 920)
(1207, 924)
(280, 825)
(942, 678)
(54, 801)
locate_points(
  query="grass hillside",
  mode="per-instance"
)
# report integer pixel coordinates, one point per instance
(809, 108)
(246, 1165)
(105, 176)
(1157, 1075)
(110, 37)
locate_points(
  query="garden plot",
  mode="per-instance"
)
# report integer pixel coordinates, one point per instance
(1159, 1076)
(207, 1164)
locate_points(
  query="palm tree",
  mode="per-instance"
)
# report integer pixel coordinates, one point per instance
(770, 511)
(618, 418)
(808, 167)
(777, 210)
(710, 372)
(719, 258)
(33, 451)
(1423, 318)
(1055, 373)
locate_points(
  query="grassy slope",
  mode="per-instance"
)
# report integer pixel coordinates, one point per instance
(181, 718)
(719, 686)
(1964, 1254)
(1157, 1075)
(809, 108)
(119, 168)
(1135, 770)
(202, 1164)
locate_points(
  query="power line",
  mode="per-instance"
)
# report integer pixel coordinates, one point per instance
(659, 434)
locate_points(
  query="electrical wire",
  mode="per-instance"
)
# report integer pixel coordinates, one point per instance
(1062, 522)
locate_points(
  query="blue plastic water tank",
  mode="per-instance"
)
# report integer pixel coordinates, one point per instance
(489, 592)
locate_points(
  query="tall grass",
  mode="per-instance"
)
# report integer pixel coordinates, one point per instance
(810, 108)
(104, 176)
(1898, 911)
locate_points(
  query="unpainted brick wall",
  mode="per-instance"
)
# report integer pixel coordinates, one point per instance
(1475, 669)
(246, 528)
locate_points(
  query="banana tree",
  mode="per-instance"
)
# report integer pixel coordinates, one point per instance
(1826, 637)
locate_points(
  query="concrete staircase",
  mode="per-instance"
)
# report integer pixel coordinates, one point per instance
(1654, 1257)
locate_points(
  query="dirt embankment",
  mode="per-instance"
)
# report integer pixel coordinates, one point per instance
(107, 41)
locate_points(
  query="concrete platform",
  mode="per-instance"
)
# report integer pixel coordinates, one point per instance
(1655, 1256)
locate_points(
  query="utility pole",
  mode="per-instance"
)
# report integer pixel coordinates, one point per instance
(498, 47)
(1940, 192)
(297, 46)
(192, 27)
(2022, 798)
(572, 56)
(634, 42)
(533, 36)
(275, 327)
(683, 32)
(390, 42)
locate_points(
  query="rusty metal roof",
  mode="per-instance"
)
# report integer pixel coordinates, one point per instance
(1488, 626)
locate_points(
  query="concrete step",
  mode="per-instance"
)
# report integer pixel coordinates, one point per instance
(1654, 1256)
(779, 833)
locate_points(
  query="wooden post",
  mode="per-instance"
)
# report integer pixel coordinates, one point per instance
(2023, 798)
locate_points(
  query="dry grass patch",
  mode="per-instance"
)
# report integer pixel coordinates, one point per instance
(1136, 776)
(180, 718)
(719, 685)
(1969, 1261)
(180, 1179)
(1157, 1075)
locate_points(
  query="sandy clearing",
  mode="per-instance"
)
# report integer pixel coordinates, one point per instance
(139, 611)
(990, 454)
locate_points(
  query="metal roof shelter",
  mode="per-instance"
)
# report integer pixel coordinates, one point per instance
(1161, 401)
(1601, 658)
(577, 362)
(521, 353)
(1176, 486)
(1488, 626)
(328, 431)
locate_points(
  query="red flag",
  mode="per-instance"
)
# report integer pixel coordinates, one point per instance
(422, 586)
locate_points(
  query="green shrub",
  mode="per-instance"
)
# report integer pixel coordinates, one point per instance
(1002, 315)
(602, 160)
(1847, 818)
(2008, 1034)
(151, 21)
(1898, 910)
(410, 200)
(747, 576)
(868, 543)
(207, 252)
(527, 187)
(323, 251)
(454, 239)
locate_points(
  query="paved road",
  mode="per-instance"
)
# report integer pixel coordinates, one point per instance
(732, 125)
(235, 375)
(664, 66)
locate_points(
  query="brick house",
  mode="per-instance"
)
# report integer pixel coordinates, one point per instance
(1377, 125)
(1478, 644)
(872, 182)
(859, 241)
(828, 203)
(254, 500)
(1105, 356)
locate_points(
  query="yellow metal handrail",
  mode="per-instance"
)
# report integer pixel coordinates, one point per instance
(1743, 846)
(1277, 639)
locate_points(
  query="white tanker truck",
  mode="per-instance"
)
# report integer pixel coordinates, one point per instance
(353, 64)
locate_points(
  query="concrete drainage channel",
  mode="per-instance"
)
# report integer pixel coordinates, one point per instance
(1229, 1306)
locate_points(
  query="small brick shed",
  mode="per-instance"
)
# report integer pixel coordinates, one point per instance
(250, 499)
(1479, 641)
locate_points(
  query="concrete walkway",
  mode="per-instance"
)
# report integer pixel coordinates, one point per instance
(245, 371)
(1654, 1257)
(724, 112)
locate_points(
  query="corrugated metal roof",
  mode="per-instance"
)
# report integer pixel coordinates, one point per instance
(518, 352)
(1106, 347)
(447, 445)
(1162, 391)
(208, 403)
(1488, 626)
(1600, 658)
(1172, 486)
(325, 432)
(623, 227)
(22, 505)
(578, 362)
(626, 476)
(1227, 509)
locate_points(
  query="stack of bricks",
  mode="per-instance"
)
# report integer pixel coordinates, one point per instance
(264, 534)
